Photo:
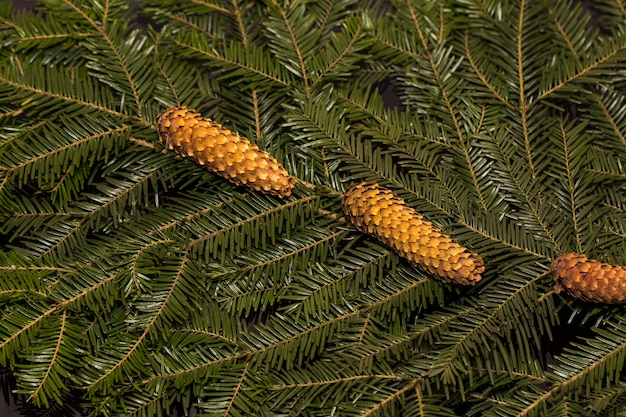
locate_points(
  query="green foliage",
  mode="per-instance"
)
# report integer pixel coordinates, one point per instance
(142, 284)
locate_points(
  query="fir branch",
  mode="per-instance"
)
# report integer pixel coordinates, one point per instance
(453, 116)
(101, 29)
(523, 104)
(612, 52)
(300, 68)
(37, 395)
(114, 369)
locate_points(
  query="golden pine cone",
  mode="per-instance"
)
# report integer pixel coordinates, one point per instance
(379, 212)
(589, 280)
(222, 151)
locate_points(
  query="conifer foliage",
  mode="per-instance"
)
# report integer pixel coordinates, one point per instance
(137, 283)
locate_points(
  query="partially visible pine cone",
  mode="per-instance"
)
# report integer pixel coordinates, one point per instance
(378, 211)
(589, 280)
(222, 151)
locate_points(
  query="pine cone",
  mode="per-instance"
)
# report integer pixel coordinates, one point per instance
(379, 212)
(222, 151)
(589, 280)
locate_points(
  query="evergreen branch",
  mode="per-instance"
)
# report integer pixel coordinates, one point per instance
(53, 361)
(9, 114)
(609, 118)
(332, 137)
(24, 329)
(225, 60)
(33, 268)
(583, 71)
(69, 100)
(207, 333)
(116, 52)
(390, 398)
(146, 408)
(254, 356)
(6, 22)
(194, 26)
(324, 23)
(273, 261)
(436, 172)
(315, 294)
(12, 292)
(574, 380)
(134, 264)
(376, 346)
(619, 176)
(237, 390)
(168, 79)
(508, 244)
(65, 148)
(194, 214)
(61, 180)
(341, 380)
(387, 45)
(571, 188)
(449, 106)
(581, 369)
(20, 69)
(66, 240)
(504, 314)
(3, 183)
(254, 218)
(482, 76)
(179, 291)
(622, 7)
(517, 374)
(148, 328)
(142, 143)
(82, 295)
(420, 399)
(212, 6)
(56, 36)
(384, 120)
(267, 355)
(245, 302)
(563, 33)
(296, 47)
(440, 35)
(444, 364)
(257, 118)
(347, 48)
(240, 24)
(364, 327)
(529, 201)
(253, 223)
(609, 399)
(105, 13)
(116, 199)
(195, 369)
(523, 105)
(397, 294)
(403, 51)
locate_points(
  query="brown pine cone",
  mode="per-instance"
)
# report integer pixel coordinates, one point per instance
(222, 151)
(589, 280)
(379, 212)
